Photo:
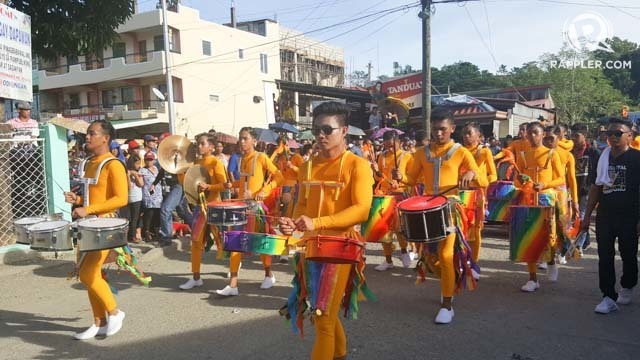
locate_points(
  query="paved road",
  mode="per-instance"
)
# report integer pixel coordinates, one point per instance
(40, 309)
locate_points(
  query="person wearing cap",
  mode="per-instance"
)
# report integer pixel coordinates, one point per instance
(114, 147)
(134, 148)
(151, 198)
(23, 123)
(150, 144)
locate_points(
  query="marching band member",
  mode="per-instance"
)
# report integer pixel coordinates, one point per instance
(387, 186)
(333, 210)
(438, 166)
(521, 143)
(215, 168)
(486, 175)
(104, 198)
(543, 165)
(564, 143)
(256, 169)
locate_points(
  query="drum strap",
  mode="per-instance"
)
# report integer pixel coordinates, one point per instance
(437, 163)
(338, 184)
(86, 182)
(384, 159)
(249, 174)
(546, 164)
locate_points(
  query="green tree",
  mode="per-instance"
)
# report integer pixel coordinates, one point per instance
(399, 70)
(625, 80)
(358, 78)
(465, 76)
(73, 27)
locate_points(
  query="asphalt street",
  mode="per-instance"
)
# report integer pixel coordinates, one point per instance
(40, 309)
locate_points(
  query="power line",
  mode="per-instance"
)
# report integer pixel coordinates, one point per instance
(486, 14)
(620, 10)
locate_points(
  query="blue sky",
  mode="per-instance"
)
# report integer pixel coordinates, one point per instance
(516, 31)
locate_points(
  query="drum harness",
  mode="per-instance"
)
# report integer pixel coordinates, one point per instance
(336, 184)
(437, 164)
(546, 165)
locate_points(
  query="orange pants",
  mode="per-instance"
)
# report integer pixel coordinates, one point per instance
(100, 295)
(475, 240)
(331, 341)
(447, 270)
(387, 247)
(236, 257)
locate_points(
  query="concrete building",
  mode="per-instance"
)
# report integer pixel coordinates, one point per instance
(223, 77)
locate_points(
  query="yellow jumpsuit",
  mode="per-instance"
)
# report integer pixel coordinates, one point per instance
(334, 210)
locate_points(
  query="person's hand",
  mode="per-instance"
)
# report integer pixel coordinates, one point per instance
(290, 165)
(394, 185)
(538, 186)
(286, 198)
(374, 167)
(576, 210)
(584, 224)
(228, 185)
(70, 197)
(466, 179)
(79, 212)
(287, 226)
(152, 189)
(396, 174)
(260, 196)
(304, 223)
(202, 187)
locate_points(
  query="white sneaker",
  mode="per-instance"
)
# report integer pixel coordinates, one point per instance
(530, 286)
(542, 265)
(562, 260)
(413, 255)
(91, 332)
(114, 323)
(606, 306)
(475, 274)
(191, 284)
(406, 260)
(268, 282)
(552, 272)
(228, 291)
(384, 266)
(444, 316)
(624, 297)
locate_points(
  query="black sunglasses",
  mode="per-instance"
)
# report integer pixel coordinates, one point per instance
(325, 129)
(616, 133)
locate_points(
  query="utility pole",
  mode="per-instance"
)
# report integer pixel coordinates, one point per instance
(425, 14)
(369, 66)
(165, 33)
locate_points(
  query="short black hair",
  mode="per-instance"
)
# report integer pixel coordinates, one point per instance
(306, 148)
(580, 128)
(555, 129)
(534, 124)
(472, 125)
(106, 127)
(563, 126)
(250, 130)
(388, 135)
(332, 108)
(524, 124)
(211, 137)
(442, 114)
(132, 160)
(615, 120)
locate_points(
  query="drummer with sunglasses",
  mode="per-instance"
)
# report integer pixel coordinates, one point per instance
(109, 194)
(335, 195)
(258, 177)
(443, 179)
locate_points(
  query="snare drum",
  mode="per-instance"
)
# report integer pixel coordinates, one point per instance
(246, 242)
(529, 232)
(500, 196)
(20, 228)
(50, 236)
(426, 218)
(334, 249)
(227, 213)
(102, 233)
(382, 221)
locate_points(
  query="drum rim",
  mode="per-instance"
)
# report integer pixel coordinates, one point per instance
(44, 231)
(229, 205)
(411, 200)
(41, 219)
(113, 227)
(333, 238)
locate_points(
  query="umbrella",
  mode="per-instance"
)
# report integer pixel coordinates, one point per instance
(305, 135)
(378, 133)
(76, 125)
(394, 105)
(283, 127)
(267, 136)
(292, 144)
(226, 138)
(355, 131)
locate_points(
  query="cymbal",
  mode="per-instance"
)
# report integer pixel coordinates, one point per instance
(195, 175)
(176, 154)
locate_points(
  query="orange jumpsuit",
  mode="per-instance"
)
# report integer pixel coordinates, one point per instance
(217, 175)
(635, 143)
(255, 167)
(107, 196)
(546, 168)
(423, 169)
(486, 174)
(337, 194)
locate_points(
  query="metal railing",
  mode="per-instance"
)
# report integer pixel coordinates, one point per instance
(94, 64)
(23, 188)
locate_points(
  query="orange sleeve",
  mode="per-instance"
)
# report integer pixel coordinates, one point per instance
(414, 168)
(117, 180)
(571, 178)
(277, 179)
(361, 198)
(492, 173)
(301, 205)
(219, 177)
(556, 167)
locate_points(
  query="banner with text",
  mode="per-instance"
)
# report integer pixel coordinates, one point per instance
(15, 55)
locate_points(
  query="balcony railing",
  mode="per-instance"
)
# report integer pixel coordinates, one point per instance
(94, 64)
(121, 111)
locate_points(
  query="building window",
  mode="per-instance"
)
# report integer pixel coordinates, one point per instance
(74, 101)
(119, 50)
(72, 59)
(264, 68)
(214, 98)
(128, 95)
(240, 53)
(206, 48)
(158, 43)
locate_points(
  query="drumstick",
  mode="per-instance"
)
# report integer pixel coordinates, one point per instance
(395, 155)
(535, 182)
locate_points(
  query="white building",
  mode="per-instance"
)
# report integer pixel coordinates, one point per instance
(223, 77)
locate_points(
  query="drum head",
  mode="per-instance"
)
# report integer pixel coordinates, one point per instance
(28, 220)
(48, 225)
(421, 203)
(102, 223)
(227, 205)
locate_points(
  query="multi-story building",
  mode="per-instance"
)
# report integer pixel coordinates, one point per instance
(223, 78)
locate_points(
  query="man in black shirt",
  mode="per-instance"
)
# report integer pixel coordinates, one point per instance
(617, 194)
(586, 163)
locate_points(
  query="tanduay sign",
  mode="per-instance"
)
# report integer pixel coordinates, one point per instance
(407, 88)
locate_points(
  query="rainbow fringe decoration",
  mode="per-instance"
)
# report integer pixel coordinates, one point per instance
(314, 287)
(528, 233)
(383, 219)
(125, 260)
